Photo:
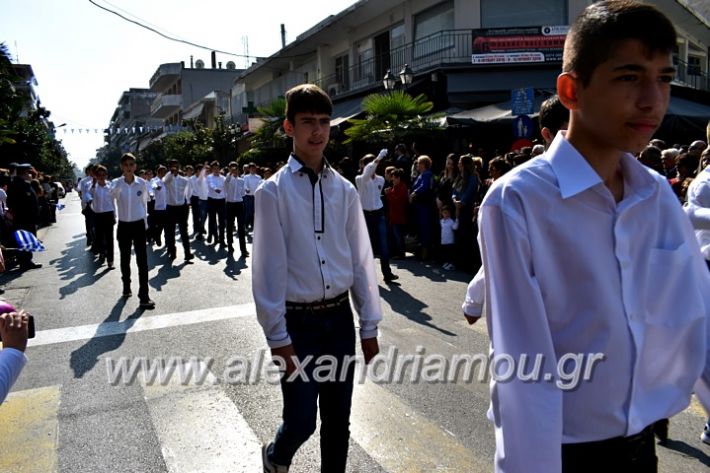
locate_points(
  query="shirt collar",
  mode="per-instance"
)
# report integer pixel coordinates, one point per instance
(575, 175)
(295, 164)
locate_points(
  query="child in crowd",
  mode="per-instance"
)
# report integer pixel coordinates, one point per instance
(448, 226)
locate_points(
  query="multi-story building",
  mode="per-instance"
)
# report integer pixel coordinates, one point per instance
(25, 86)
(132, 121)
(463, 53)
(187, 93)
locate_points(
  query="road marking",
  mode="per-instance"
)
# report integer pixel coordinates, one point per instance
(200, 429)
(29, 430)
(153, 322)
(401, 440)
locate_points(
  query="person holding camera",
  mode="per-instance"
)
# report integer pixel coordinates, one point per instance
(13, 331)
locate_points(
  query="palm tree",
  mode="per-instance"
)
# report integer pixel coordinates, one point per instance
(390, 117)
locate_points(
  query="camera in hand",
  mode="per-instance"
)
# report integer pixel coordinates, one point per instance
(6, 307)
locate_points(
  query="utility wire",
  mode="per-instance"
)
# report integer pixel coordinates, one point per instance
(172, 38)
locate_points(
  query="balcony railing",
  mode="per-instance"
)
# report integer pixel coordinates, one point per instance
(450, 47)
(691, 75)
(165, 75)
(443, 48)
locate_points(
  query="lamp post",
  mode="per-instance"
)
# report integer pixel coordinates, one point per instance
(406, 75)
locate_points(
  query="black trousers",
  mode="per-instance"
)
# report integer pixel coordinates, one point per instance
(236, 210)
(103, 225)
(89, 222)
(215, 210)
(634, 454)
(329, 332)
(177, 214)
(133, 234)
(198, 226)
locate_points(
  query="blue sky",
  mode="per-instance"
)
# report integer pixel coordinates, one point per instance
(84, 57)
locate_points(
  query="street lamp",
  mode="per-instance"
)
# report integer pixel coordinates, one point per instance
(389, 81)
(406, 75)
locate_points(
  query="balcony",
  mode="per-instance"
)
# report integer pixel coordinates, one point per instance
(164, 76)
(446, 48)
(451, 47)
(165, 105)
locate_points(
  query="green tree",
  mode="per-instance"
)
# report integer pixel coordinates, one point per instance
(24, 133)
(391, 117)
(270, 142)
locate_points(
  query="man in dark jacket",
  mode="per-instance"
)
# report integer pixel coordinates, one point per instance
(22, 202)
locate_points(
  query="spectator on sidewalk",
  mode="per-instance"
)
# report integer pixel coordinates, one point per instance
(22, 202)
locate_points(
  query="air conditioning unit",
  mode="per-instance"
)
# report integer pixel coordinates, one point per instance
(334, 89)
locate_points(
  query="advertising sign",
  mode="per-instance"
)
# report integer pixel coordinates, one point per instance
(541, 44)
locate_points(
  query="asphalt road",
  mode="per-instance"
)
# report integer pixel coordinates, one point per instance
(73, 411)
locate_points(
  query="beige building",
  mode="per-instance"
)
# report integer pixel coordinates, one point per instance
(463, 53)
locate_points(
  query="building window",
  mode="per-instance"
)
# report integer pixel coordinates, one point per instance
(497, 14)
(365, 61)
(431, 31)
(694, 68)
(342, 64)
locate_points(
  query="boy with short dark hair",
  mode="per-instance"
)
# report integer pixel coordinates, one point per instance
(131, 194)
(576, 244)
(311, 248)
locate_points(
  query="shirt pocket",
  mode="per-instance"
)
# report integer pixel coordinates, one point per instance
(673, 297)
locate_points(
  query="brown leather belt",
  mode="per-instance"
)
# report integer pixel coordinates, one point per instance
(325, 304)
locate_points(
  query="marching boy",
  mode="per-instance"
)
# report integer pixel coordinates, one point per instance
(311, 248)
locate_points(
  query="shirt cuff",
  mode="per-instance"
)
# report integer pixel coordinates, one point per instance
(472, 309)
(279, 343)
(366, 333)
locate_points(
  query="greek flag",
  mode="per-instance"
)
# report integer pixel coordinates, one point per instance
(60, 206)
(26, 241)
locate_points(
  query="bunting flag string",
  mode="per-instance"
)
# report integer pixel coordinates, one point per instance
(135, 130)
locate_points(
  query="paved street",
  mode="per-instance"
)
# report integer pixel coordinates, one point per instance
(65, 414)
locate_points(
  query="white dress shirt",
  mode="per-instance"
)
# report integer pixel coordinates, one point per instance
(159, 193)
(85, 189)
(475, 295)
(131, 199)
(103, 198)
(234, 189)
(251, 183)
(569, 270)
(448, 226)
(369, 186)
(199, 184)
(698, 209)
(11, 363)
(310, 244)
(177, 188)
(215, 186)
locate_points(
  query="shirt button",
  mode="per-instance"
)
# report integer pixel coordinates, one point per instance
(327, 287)
(319, 238)
(322, 262)
(300, 174)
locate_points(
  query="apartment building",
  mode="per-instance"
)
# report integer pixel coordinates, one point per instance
(463, 53)
(131, 120)
(193, 89)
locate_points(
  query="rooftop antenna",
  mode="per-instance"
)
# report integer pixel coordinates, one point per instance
(283, 35)
(245, 45)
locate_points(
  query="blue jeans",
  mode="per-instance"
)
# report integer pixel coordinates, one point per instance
(328, 332)
(377, 229)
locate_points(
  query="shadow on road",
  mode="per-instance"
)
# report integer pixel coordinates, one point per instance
(407, 305)
(234, 267)
(84, 358)
(688, 450)
(77, 260)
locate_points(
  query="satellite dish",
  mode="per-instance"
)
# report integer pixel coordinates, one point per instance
(199, 64)
(231, 65)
